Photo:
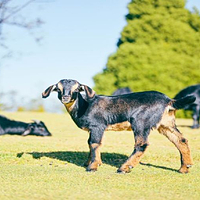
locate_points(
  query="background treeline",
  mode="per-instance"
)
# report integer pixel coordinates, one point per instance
(159, 49)
(11, 101)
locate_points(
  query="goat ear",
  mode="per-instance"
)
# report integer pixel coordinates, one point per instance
(47, 92)
(89, 92)
(27, 131)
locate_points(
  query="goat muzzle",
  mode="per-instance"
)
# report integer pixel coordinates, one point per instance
(66, 99)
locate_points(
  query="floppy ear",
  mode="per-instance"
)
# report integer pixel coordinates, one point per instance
(28, 130)
(89, 92)
(47, 92)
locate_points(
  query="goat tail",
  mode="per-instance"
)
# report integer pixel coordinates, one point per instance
(182, 102)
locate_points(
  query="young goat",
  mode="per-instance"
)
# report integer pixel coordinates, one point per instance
(195, 106)
(142, 111)
(13, 127)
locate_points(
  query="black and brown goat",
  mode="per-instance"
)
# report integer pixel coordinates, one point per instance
(13, 127)
(195, 106)
(142, 111)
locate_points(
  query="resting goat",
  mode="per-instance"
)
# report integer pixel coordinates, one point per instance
(142, 111)
(13, 127)
(120, 91)
(195, 106)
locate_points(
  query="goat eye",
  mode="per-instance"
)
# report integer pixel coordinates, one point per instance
(41, 128)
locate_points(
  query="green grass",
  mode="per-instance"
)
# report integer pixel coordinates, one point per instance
(52, 167)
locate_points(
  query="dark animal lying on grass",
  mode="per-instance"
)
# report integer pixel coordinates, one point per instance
(13, 127)
(195, 106)
(142, 111)
(120, 91)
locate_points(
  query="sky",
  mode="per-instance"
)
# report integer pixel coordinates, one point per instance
(78, 36)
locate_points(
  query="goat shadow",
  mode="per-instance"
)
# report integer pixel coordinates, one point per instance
(186, 126)
(79, 158)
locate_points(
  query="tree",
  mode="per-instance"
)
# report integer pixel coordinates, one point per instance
(10, 15)
(159, 49)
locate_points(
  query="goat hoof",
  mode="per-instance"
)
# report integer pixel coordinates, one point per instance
(123, 171)
(183, 170)
(195, 126)
(91, 170)
(100, 163)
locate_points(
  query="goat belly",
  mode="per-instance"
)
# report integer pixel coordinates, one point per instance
(123, 126)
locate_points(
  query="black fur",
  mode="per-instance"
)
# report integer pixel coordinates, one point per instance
(195, 106)
(180, 103)
(13, 127)
(136, 108)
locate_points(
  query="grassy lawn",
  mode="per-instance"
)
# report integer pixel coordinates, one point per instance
(52, 167)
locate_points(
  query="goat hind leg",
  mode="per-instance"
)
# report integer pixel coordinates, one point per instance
(135, 157)
(174, 135)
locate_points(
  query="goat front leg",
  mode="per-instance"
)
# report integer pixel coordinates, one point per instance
(94, 159)
(89, 159)
(174, 135)
(90, 154)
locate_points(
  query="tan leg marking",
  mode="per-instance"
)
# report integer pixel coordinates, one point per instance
(182, 145)
(94, 159)
(135, 157)
(168, 128)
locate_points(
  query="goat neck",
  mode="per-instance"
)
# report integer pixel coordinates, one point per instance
(77, 108)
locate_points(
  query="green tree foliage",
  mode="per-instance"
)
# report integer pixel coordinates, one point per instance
(159, 49)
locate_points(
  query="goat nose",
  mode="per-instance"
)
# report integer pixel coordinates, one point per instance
(66, 98)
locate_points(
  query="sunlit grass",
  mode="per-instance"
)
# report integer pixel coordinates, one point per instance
(52, 167)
